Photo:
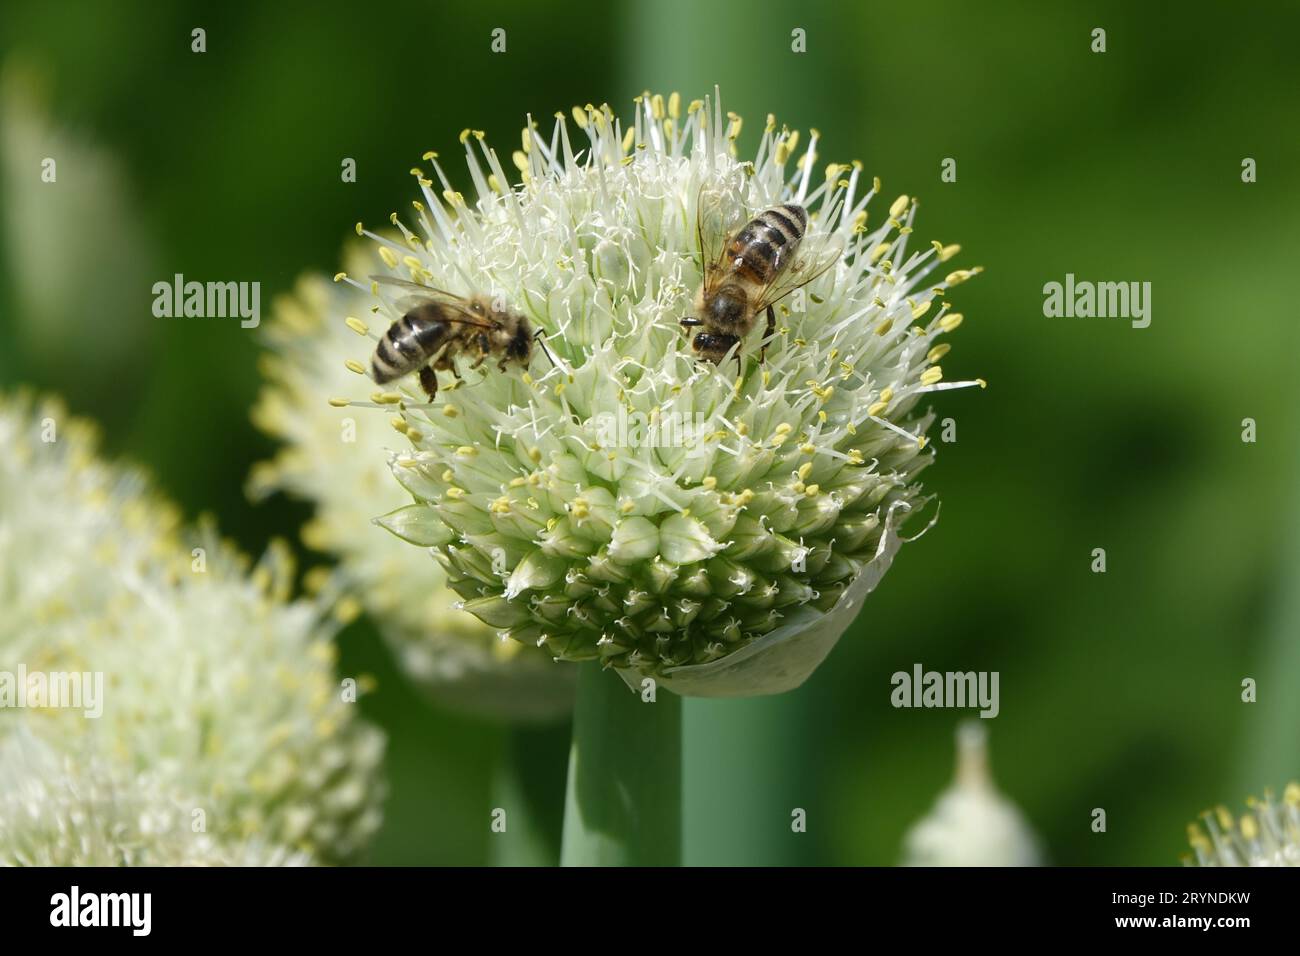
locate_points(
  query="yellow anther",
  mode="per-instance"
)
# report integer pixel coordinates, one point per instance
(340, 402)
(931, 375)
(580, 117)
(500, 506)
(675, 105)
(455, 494)
(450, 411)
(361, 231)
(879, 251)
(347, 610)
(399, 424)
(467, 451)
(884, 326)
(627, 506)
(899, 206)
(920, 310)
(429, 156)
(709, 482)
(357, 326)
(385, 398)
(535, 454)
(950, 321)
(340, 276)
(938, 352)
(876, 408)
(352, 365)
(1249, 828)
(804, 470)
(811, 491)
(520, 160)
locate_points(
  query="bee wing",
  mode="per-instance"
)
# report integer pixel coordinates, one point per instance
(809, 263)
(457, 307)
(716, 221)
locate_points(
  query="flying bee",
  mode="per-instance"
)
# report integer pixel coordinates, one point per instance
(438, 326)
(747, 271)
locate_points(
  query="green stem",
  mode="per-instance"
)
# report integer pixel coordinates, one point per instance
(623, 804)
(527, 781)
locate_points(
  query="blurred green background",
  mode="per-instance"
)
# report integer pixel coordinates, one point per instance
(1120, 691)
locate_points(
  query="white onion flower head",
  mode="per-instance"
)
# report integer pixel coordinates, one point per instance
(1268, 834)
(338, 460)
(217, 690)
(971, 823)
(631, 504)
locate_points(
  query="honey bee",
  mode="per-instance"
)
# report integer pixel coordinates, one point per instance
(438, 326)
(746, 272)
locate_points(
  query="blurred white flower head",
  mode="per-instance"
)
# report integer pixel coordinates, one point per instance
(1268, 834)
(338, 460)
(63, 810)
(972, 824)
(714, 563)
(219, 692)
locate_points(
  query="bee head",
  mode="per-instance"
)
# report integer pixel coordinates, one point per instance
(520, 347)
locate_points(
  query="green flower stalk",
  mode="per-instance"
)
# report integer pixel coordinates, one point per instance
(629, 504)
(340, 463)
(220, 722)
(971, 823)
(1267, 835)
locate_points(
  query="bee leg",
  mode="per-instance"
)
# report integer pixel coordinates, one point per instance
(689, 322)
(540, 339)
(767, 336)
(429, 381)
